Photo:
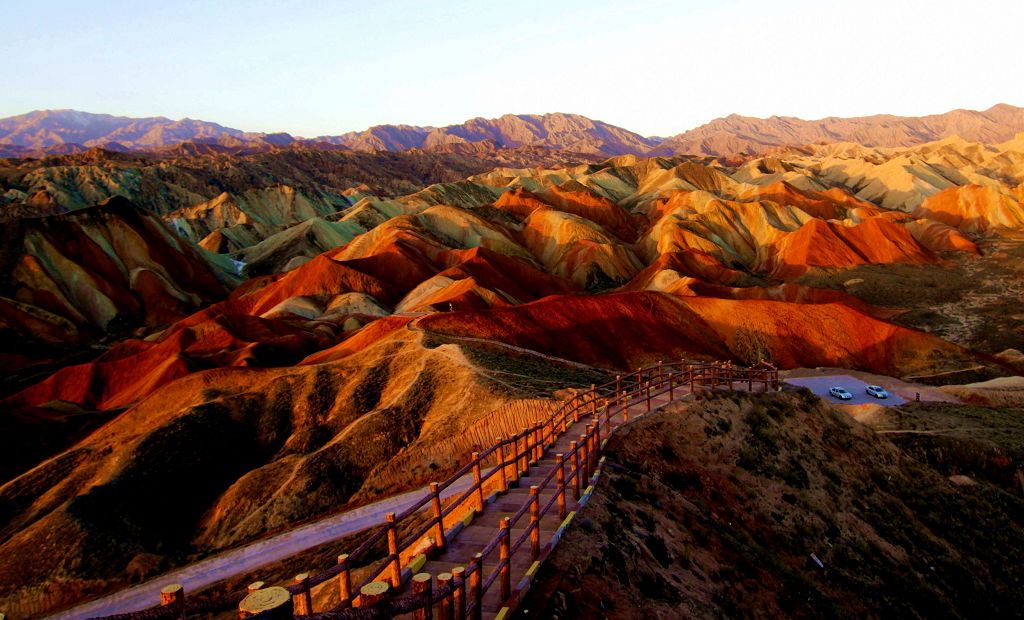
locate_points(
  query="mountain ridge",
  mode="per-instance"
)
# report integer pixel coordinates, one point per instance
(66, 131)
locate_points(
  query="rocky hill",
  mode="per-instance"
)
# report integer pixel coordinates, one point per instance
(779, 506)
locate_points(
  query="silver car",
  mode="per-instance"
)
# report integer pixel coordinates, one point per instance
(840, 393)
(877, 391)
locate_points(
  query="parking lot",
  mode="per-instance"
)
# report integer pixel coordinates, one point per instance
(820, 386)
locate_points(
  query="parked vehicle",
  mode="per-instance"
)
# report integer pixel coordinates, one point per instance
(877, 391)
(840, 393)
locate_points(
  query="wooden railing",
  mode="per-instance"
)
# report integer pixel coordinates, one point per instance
(494, 470)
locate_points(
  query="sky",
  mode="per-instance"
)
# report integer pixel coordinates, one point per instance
(656, 67)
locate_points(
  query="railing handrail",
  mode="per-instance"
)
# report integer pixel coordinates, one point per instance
(579, 402)
(597, 403)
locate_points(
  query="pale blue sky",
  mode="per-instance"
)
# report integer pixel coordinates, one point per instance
(653, 66)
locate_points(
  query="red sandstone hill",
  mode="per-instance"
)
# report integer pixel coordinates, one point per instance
(974, 208)
(411, 319)
(831, 204)
(68, 279)
(626, 330)
(282, 319)
(823, 244)
(601, 211)
(686, 228)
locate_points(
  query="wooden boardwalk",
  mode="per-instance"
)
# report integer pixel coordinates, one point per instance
(476, 536)
(470, 546)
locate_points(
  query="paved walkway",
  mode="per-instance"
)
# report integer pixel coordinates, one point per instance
(204, 573)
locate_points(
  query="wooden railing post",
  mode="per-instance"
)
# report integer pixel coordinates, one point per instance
(625, 410)
(459, 592)
(302, 601)
(445, 608)
(372, 594)
(593, 399)
(618, 385)
(534, 522)
(588, 450)
(515, 454)
(671, 385)
(504, 562)
(574, 447)
(597, 433)
(435, 500)
(560, 481)
(517, 448)
(476, 580)
(502, 474)
(422, 584)
(584, 460)
(173, 596)
(396, 566)
(524, 455)
(648, 397)
(344, 580)
(274, 603)
(478, 482)
(538, 444)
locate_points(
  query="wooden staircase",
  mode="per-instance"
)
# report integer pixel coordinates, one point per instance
(462, 551)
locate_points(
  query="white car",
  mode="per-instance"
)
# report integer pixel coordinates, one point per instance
(840, 393)
(877, 391)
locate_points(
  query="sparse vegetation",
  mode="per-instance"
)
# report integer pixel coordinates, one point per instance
(694, 518)
(524, 375)
(967, 300)
(751, 347)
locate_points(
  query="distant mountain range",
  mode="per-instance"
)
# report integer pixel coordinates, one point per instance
(70, 131)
